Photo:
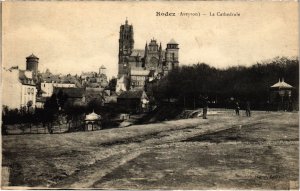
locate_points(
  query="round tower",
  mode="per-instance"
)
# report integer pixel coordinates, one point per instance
(32, 64)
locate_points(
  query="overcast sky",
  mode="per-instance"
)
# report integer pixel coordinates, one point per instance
(70, 37)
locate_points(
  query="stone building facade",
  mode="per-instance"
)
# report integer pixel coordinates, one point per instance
(19, 87)
(94, 79)
(152, 58)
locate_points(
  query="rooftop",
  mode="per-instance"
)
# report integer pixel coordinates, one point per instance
(70, 92)
(139, 72)
(132, 94)
(92, 117)
(25, 77)
(282, 85)
(172, 41)
(138, 52)
(68, 79)
(32, 56)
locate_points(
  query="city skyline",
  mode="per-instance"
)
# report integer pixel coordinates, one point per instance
(69, 39)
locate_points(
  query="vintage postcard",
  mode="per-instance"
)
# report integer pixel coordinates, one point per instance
(143, 95)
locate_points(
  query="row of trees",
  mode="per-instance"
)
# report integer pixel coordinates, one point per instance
(59, 110)
(188, 84)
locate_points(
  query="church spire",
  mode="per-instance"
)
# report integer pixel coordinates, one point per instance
(126, 21)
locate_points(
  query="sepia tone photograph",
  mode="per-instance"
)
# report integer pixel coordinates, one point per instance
(150, 95)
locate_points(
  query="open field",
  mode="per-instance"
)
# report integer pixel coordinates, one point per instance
(225, 151)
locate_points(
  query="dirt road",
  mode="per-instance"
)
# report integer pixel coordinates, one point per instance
(224, 151)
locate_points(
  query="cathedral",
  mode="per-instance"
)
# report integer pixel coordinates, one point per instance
(138, 65)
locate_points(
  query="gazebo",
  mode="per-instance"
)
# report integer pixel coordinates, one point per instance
(92, 121)
(280, 95)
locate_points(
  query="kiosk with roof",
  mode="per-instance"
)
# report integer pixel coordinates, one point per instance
(92, 122)
(280, 95)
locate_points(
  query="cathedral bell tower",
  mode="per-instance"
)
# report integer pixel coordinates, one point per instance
(172, 55)
(126, 43)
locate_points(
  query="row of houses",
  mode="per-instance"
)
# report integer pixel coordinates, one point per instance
(21, 91)
(30, 89)
(132, 101)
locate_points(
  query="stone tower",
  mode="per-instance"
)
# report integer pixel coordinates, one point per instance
(126, 43)
(172, 55)
(152, 55)
(32, 65)
(102, 70)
